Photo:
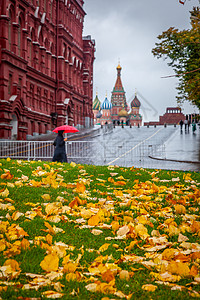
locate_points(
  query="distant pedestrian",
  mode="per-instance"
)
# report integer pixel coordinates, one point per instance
(186, 124)
(60, 151)
(181, 124)
(194, 127)
(189, 124)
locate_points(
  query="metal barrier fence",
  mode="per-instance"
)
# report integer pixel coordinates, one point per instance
(89, 152)
(28, 150)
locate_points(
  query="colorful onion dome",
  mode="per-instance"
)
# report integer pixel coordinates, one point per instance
(123, 113)
(96, 103)
(98, 115)
(135, 102)
(106, 104)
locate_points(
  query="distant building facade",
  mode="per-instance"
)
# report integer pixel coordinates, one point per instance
(173, 115)
(117, 110)
(46, 67)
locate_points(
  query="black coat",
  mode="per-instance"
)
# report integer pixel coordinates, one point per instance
(60, 152)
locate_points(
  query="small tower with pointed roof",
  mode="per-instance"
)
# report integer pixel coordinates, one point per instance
(96, 108)
(135, 117)
(118, 98)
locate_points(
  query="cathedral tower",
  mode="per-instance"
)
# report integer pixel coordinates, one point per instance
(96, 108)
(135, 116)
(118, 98)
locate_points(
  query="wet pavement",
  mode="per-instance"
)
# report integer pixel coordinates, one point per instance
(184, 146)
(160, 147)
(182, 150)
(154, 147)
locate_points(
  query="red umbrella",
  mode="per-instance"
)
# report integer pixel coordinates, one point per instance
(66, 129)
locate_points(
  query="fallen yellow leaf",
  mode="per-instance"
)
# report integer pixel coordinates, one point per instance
(94, 220)
(50, 263)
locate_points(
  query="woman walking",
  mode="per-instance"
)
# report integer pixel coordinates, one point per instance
(60, 151)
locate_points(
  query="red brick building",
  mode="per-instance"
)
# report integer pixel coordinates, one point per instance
(173, 115)
(46, 67)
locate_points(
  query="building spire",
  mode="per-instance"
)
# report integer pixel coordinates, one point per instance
(118, 84)
(119, 66)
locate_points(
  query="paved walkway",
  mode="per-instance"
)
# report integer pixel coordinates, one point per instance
(182, 150)
(184, 145)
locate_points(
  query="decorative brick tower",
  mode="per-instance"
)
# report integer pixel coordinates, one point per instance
(118, 98)
(46, 67)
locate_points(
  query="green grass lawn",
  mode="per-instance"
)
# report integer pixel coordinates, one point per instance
(73, 231)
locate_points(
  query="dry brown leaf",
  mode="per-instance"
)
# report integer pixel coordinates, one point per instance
(96, 231)
(123, 230)
(52, 294)
(149, 287)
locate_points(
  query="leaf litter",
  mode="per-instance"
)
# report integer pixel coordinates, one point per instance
(130, 221)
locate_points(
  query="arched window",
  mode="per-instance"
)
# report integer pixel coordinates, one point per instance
(46, 44)
(47, 59)
(10, 30)
(41, 40)
(19, 36)
(30, 52)
(51, 65)
(32, 95)
(46, 100)
(52, 48)
(51, 11)
(64, 51)
(10, 84)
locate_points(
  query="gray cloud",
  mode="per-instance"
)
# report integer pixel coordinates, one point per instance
(128, 30)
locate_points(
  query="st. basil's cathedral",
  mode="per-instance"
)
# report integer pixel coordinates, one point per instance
(117, 111)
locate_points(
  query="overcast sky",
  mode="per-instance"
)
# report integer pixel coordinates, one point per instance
(126, 31)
